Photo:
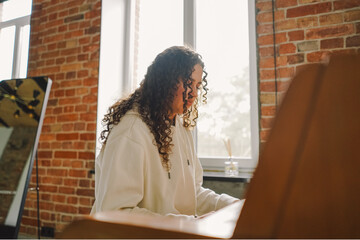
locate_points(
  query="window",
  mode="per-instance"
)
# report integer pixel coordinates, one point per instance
(223, 32)
(14, 38)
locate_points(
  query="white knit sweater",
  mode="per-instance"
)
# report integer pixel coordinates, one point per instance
(129, 174)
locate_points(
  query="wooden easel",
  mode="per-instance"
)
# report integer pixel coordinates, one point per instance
(306, 185)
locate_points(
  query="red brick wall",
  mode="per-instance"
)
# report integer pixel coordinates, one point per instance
(65, 45)
(306, 31)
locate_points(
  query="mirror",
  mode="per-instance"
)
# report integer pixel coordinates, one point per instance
(22, 109)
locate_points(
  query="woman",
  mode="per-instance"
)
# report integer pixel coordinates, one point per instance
(148, 163)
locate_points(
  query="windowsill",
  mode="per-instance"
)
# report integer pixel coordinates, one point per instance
(221, 176)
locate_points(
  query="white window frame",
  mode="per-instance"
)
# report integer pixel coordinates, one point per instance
(117, 27)
(19, 23)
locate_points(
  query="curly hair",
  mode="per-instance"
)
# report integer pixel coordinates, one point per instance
(154, 98)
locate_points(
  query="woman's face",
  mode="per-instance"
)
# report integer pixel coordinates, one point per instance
(191, 93)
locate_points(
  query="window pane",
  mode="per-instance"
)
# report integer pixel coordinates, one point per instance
(24, 50)
(7, 37)
(222, 39)
(15, 9)
(160, 26)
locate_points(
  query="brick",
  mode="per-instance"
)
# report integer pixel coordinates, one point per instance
(330, 31)
(307, 22)
(72, 200)
(84, 210)
(264, 28)
(72, 83)
(285, 72)
(74, 18)
(87, 136)
(88, 117)
(307, 46)
(358, 27)
(57, 172)
(67, 136)
(69, 109)
(84, 183)
(51, 180)
(85, 192)
(87, 155)
(47, 137)
(308, 1)
(70, 93)
(353, 41)
(332, 43)
(90, 81)
(66, 190)
(265, 40)
(91, 127)
(266, 122)
(267, 86)
(59, 198)
(44, 163)
(352, 16)
(287, 48)
(67, 127)
(264, 134)
(79, 145)
(82, 91)
(286, 25)
(59, 93)
(267, 74)
(69, 101)
(345, 4)
(77, 164)
(308, 10)
(67, 218)
(71, 182)
(85, 201)
(82, 73)
(65, 208)
(92, 30)
(267, 98)
(285, 3)
(29, 221)
(266, 51)
(77, 173)
(296, 58)
(65, 154)
(268, 110)
(296, 35)
(344, 51)
(264, 6)
(331, 19)
(44, 154)
(317, 56)
(267, 62)
(89, 99)
(48, 188)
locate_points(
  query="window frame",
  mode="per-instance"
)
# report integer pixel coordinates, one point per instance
(127, 9)
(19, 23)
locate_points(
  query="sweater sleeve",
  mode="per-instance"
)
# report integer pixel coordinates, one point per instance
(120, 175)
(208, 200)
(120, 180)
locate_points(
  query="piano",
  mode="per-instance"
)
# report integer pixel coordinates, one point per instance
(307, 182)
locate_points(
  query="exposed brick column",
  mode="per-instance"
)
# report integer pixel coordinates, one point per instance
(65, 45)
(306, 31)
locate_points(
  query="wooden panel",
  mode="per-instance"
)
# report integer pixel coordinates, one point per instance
(323, 200)
(266, 191)
(307, 183)
(118, 224)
